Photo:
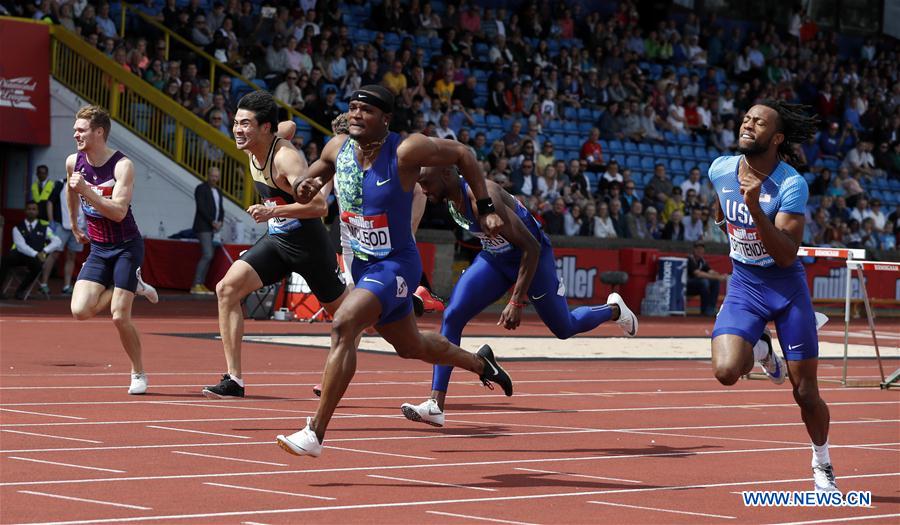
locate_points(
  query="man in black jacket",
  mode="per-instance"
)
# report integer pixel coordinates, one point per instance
(207, 220)
(33, 240)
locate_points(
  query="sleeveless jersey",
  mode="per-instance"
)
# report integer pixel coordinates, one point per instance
(374, 206)
(784, 190)
(101, 180)
(497, 245)
(271, 195)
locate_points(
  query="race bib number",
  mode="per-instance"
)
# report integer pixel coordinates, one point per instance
(496, 244)
(280, 224)
(104, 192)
(369, 234)
(747, 247)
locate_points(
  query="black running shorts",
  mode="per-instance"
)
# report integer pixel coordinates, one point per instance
(307, 251)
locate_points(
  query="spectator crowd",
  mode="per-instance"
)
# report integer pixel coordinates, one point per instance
(573, 107)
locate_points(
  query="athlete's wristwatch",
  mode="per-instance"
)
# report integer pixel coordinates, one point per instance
(485, 206)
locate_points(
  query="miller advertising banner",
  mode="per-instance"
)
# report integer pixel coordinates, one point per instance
(25, 82)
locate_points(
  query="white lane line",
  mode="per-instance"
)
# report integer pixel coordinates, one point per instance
(197, 432)
(417, 503)
(50, 436)
(229, 406)
(68, 465)
(656, 408)
(836, 520)
(577, 475)
(458, 436)
(664, 510)
(252, 523)
(479, 518)
(40, 414)
(438, 483)
(380, 453)
(267, 491)
(85, 500)
(230, 459)
(722, 438)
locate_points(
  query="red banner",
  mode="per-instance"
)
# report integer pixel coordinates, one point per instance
(25, 82)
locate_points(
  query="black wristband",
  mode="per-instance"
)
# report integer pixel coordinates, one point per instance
(485, 206)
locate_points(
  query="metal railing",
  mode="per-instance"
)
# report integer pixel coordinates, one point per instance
(167, 125)
(214, 64)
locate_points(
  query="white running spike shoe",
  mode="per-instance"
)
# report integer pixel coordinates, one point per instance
(773, 364)
(138, 384)
(427, 412)
(627, 320)
(301, 443)
(145, 289)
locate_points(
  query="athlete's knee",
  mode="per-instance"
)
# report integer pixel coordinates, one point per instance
(121, 319)
(561, 332)
(81, 312)
(344, 327)
(725, 374)
(227, 291)
(454, 318)
(807, 396)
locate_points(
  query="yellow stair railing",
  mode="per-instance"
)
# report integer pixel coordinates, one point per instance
(180, 134)
(214, 64)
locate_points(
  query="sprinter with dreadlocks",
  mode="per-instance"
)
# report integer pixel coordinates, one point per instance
(764, 200)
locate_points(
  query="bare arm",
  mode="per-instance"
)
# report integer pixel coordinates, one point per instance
(287, 129)
(116, 207)
(516, 233)
(305, 187)
(71, 195)
(419, 151)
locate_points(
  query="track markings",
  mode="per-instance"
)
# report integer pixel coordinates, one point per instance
(40, 414)
(577, 475)
(268, 491)
(425, 482)
(479, 518)
(68, 465)
(664, 510)
(381, 453)
(230, 459)
(198, 432)
(51, 436)
(85, 500)
(419, 503)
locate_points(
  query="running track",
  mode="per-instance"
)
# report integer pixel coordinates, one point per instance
(580, 442)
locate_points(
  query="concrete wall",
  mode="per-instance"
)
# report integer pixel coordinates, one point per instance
(164, 191)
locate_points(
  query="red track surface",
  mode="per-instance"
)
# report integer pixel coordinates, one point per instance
(580, 442)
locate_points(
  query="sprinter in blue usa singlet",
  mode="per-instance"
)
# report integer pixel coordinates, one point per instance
(375, 173)
(761, 204)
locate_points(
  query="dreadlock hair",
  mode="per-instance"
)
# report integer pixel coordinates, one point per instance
(795, 123)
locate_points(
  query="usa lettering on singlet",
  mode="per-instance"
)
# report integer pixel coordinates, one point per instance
(784, 191)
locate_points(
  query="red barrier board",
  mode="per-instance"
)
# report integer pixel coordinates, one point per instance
(25, 82)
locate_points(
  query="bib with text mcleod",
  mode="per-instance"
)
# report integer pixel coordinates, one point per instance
(369, 234)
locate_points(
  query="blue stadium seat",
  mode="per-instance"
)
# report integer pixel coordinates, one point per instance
(672, 152)
(554, 126)
(494, 121)
(676, 166)
(585, 114)
(584, 128)
(686, 153)
(616, 147)
(659, 150)
(633, 162)
(645, 149)
(700, 153)
(570, 113)
(704, 168)
(647, 163)
(712, 153)
(630, 147)
(573, 142)
(663, 161)
(570, 127)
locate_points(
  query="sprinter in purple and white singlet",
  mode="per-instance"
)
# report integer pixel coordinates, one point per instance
(101, 181)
